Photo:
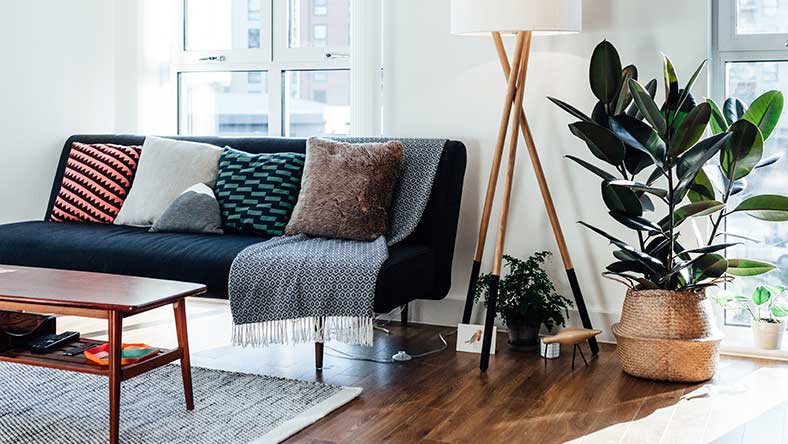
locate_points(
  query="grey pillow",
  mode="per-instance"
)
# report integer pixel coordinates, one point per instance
(196, 210)
(346, 189)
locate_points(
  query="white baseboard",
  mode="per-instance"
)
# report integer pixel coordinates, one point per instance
(448, 312)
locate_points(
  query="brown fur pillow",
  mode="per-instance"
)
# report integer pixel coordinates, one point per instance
(346, 189)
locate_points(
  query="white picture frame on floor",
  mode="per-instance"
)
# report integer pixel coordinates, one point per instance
(469, 338)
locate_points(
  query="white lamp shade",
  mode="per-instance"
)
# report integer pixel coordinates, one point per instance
(508, 16)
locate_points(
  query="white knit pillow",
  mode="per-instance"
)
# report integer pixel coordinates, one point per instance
(166, 168)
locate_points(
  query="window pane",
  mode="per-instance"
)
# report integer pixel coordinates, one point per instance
(747, 80)
(223, 103)
(761, 16)
(317, 103)
(319, 23)
(213, 25)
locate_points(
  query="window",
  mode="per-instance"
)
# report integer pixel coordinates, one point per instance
(253, 37)
(254, 11)
(319, 7)
(225, 103)
(310, 110)
(747, 63)
(266, 67)
(308, 29)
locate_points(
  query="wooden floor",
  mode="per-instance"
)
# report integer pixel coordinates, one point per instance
(445, 399)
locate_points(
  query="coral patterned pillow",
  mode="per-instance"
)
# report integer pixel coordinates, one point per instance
(95, 183)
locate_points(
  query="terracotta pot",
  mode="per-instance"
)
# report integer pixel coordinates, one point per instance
(668, 336)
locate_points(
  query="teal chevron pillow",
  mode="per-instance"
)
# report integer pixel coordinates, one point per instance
(257, 192)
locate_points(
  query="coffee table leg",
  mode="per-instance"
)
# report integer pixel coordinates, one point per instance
(115, 340)
(183, 343)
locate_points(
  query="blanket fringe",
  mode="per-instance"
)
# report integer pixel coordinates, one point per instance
(346, 329)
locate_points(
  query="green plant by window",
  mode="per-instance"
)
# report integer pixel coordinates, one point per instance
(765, 304)
(665, 172)
(526, 295)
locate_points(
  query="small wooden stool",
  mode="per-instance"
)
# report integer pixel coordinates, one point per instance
(573, 337)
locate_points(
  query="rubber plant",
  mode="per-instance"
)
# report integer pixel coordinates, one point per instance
(662, 165)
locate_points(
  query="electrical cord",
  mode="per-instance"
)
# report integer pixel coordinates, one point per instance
(392, 360)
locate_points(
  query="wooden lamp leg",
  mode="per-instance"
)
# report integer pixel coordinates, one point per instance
(548, 202)
(507, 194)
(493, 181)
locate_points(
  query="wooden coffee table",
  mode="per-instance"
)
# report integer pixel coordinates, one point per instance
(103, 296)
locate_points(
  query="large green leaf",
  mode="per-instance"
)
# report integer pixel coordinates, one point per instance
(601, 141)
(605, 72)
(636, 161)
(613, 240)
(748, 267)
(769, 207)
(761, 295)
(651, 88)
(636, 222)
(593, 168)
(671, 82)
(690, 130)
(718, 122)
(648, 108)
(640, 136)
(701, 188)
(733, 109)
(624, 95)
(687, 92)
(765, 112)
(694, 159)
(743, 150)
(771, 160)
(709, 266)
(697, 209)
(637, 186)
(712, 248)
(570, 109)
(621, 199)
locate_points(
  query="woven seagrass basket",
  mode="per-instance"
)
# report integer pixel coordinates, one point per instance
(668, 336)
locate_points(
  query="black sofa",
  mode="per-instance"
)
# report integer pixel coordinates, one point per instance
(417, 268)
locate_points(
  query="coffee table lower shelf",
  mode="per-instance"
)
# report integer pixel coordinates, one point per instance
(57, 360)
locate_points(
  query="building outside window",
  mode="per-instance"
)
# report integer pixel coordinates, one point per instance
(251, 67)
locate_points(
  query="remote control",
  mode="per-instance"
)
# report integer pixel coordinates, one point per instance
(79, 349)
(48, 342)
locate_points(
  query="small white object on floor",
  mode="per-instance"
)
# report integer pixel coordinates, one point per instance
(402, 356)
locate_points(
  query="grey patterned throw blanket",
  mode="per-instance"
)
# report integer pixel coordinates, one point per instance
(294, 289)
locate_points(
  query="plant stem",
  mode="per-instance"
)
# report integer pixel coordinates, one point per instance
(725, 199)
(672, 207)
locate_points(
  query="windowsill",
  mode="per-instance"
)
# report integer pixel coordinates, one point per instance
(739, 342)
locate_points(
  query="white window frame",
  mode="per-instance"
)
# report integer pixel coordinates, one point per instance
(729, 47)
(726, 17)
(275, 57)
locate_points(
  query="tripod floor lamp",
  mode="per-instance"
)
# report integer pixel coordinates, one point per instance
(522, 18)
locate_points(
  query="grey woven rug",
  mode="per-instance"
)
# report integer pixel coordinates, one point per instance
(39, 405)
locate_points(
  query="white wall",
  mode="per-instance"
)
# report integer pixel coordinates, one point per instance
(441, 85)
(57, 80)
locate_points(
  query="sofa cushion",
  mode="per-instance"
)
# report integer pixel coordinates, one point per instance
(257, 192)
(201, 258)
(96, 181)
(347, 189)
(196, 210)
(167, 168)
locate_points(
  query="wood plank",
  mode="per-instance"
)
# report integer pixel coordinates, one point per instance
(444, 399)
(85, 290)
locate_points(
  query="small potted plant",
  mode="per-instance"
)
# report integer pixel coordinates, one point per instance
(768, 315)
(527, 299)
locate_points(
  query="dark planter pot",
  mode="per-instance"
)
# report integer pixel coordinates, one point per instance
(522, 336)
